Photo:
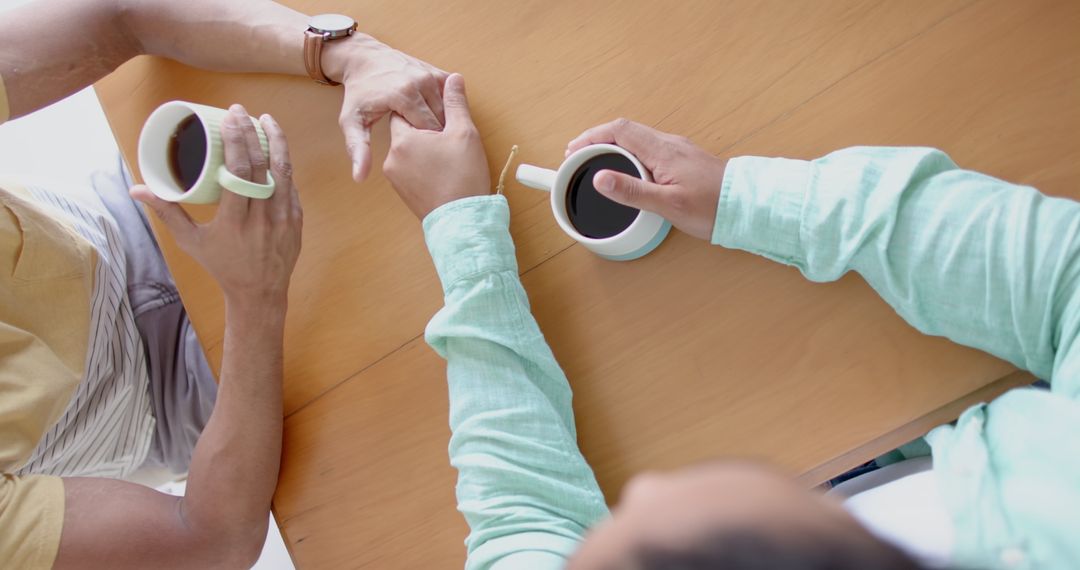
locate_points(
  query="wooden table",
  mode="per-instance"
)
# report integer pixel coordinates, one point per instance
(691, 353)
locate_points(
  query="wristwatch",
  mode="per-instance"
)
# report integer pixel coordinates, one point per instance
(321, 29)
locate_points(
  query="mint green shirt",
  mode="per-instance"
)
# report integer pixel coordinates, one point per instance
(957, 254)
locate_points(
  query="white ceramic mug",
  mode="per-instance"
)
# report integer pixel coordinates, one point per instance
(639, 238)
(154, 157)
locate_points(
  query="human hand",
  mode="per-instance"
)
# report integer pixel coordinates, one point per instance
(432, 168)
(379, 79)
(251, 246)
(686, 179)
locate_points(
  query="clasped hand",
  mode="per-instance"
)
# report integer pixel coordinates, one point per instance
(378, 80)
(251, 246)
(429, 169)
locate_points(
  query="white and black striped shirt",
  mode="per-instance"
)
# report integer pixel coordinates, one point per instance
(108, 426)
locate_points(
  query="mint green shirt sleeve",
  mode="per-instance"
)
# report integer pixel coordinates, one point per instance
(524, 488)
(958, 254)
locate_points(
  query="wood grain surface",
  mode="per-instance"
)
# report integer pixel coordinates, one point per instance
(691, 353)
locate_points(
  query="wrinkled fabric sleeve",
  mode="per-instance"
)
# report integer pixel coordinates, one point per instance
(988, 264)
(524, 488)
(958, 254)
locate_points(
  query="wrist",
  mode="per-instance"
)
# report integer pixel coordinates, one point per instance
(340, 56)
(266, 314)
(470, 237)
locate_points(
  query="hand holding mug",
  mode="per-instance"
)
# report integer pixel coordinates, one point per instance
(432, 168)
(686, 179)
(251, 245)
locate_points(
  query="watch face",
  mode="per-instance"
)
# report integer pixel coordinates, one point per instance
(331, 23)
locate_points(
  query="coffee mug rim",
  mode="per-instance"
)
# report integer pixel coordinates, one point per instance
(176, 194)
(561, 186)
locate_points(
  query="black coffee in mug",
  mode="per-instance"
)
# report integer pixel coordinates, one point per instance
(591, 213)
(187, 152)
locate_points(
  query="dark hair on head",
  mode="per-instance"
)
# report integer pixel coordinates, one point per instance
(755, 550)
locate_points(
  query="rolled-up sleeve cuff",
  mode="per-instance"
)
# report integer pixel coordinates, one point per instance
(470, 237)
(760, 207)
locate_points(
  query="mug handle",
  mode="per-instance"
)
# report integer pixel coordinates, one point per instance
(237, 185)
(536, 177)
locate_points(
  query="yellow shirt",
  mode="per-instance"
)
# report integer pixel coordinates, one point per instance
(31, 508)
(46, 280)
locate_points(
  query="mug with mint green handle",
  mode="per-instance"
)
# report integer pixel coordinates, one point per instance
(154, 157)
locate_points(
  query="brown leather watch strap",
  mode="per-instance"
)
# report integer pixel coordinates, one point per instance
(313, 46)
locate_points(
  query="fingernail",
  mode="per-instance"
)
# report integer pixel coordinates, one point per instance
(238, 110)
(604, 182)
(356, 171)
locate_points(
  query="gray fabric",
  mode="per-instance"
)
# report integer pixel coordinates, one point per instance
(182, 387)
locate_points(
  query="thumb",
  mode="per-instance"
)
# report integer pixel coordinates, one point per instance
(172, 215)
(399, 128)
(631, 191)
(358, 144)
(455, 103)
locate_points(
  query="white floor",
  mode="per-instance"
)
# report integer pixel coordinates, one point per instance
(59, 147)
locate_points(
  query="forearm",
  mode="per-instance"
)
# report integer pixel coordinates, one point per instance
(234, 467)
(220, 35)
(959, 254)
(88, 39)
(221, 521)
(524, 487)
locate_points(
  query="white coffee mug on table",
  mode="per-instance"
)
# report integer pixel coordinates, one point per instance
(642, 236)
(154, 159)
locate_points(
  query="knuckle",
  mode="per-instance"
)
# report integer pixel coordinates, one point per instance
(455, 98)
(350, 115)
(455, 101)
(283, 167)
(258, 161)
(621, 124)
(241, 170)
(232, 130)
(277, 137)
